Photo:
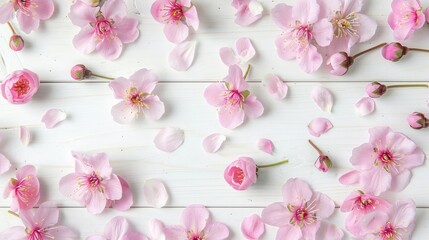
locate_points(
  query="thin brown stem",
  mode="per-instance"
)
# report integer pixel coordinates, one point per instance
(247, 71)
(101, 76)
(418, 50)
(273, 164)
(369, 50)
(11, 28)
(408, 85)
(13, 213)
(315, 147)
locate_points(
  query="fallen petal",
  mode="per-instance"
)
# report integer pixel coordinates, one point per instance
(323, 98)
(4, 164)
(169, 139)
(245, 49)
(319, 126)
(53, 116)
(24, 135)
(266, 145)
(365, 106)
(156, 229)
(155, 193)
(213, 142)
(182, 56)
(275, 86)
(252, 227)
(228, 57)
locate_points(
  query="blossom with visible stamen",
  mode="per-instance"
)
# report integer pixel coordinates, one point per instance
(20, 86)
(406, 17)
(24, 189)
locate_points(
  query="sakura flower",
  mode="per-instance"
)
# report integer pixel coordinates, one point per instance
(24, 189)
(39, 224)
(20, 86)
(241, 174)
(301, 212)
(92, 183)
(406, 17)
(248, 11)
(104, 29)
(233, 99)
(178, 16)
(302, 28)
(385, 162)
(118, 228)
(196, 225)
(137, 98)
(245, 52)
(28, 13)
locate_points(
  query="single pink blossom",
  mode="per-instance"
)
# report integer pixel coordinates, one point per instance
(394, 51)
(104, 29)
(233, 99)
(244, 53)
(302, 28)
(118, 228)
(252, 227)
(20, 86)
(248, 11)
(178, 16)
(300, 214)
(241, 173)
(418, 120)
(196, 225)
(406, 17)
(385, 162)
(137, 97)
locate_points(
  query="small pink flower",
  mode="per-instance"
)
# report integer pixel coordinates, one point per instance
(80, 72)
(394, 51)
(241, 174)
(196, 225)
(104, 29)
(137, 97)
(406, 17)
(178, 16)
(16, 43)
(233, 99)
(248, 11)
(339, 63)
(301, 212)
(418, 120)
(24, 189)
(118, 228)
(28, 12)
(20, 86)
(385, 162)
(376, 89)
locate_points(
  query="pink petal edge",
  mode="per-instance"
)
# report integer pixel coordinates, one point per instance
(323, 98)
(52, 117)
(182, 55)
(252, 227)
(155, 193)
(169, 139)
(319, 126)
(276, 87)
(4, 164)
(365, 106)
(24, 135)
(266, 145)
(213, 142)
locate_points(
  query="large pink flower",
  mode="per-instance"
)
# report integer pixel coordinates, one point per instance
(385, 162)
(406, 17)
(302, 28)
(241, 174)
(92, 183)
(118, 228)
(178, 16)
(196, 225)
(24, 189)
(301, 212)
(40, 224)
(233, 99)
(104, 29)
(28, 12)
(20, 86)
(137, 97)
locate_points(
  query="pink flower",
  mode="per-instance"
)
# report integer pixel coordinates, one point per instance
(233, 99)
(24, 189)
(20, 86)
(301, 212)
(418, 120)
(28, 12)
(40, 224)
(394, 51)
(385, 162)
(196, 225)
(248, 11)
(358, 204)
(104, 29)
(302, 28)
(339, 63)
(406, 17)
(241, 174)
(118, 228)
(92, 183)
(178, 16)
(137, 97)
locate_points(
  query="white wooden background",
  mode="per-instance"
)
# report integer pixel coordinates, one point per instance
(193, 176)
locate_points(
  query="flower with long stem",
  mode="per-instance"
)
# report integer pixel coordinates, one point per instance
(395, 51)
(16, 43)
(323, 163)
(418, 120)
(81, 72)
(376, 89)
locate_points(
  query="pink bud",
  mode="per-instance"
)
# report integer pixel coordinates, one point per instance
(80, 72)
(393, 51)
(339, 63)
(376, 89)
(16, 43)
(241, 174)
(418, 120)
(323, 163)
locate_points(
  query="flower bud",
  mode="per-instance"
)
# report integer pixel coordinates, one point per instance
(394, 51)
(339, 63)
(16, 43)
(418, 120)
(323, 163)
(376, 89)
(80, 72)
(241, 174)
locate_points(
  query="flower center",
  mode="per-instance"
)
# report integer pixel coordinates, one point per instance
(345, 26)
(302, 215)
(238, 175)
(172, 12)
(234, 98)
(22, 86)
(24, 3)
(194, 236)
(103, 27)
(93, 180)
(136, 99)
(385, 159)
(364, 203)
(35, 233)
(388, 232)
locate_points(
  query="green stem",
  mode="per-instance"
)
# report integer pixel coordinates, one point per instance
(315, 147)
(11, 28)
(418, 49)
(368, 50)
(101, 76)
(273, 164)
(247, 72)
(13, 213)
(408, 85)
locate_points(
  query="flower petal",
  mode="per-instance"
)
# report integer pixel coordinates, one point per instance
(365, 106)
(349, 178)
(252, 227)
(228, 57)
(7, 12)
(319, 126)
(195, 218)
(24, 135)
(123, 113)
(245, 49)
(116, 228)
(216, 231)
(126, 200)
(289, 232)
(323, 98)
(155, 193)
(213, 142)
(253, 107)
(275, 86)
(182, 55)
(249, 13)
(176, 32)
(169, 139)
(266, 145)
(275, 213)
(156, 229)
(53, 116)
(4, 164)
(155, 109)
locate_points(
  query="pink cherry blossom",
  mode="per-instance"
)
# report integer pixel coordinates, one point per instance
(137, 98)
(28, 12)
(248, 11)
(244, 53)
(104, 29)
(196, 225)
(406, 17)
(241, 174)
(20, 86)
(302, 28)
(300, 214)
(385, 162)
(118, 228)
(233, 99)
(24, 189)
(40, 223)
(92, 183)
(178, 16)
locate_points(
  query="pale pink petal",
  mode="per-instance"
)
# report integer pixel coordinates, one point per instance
(214, 94)
(116, 228)
(126, 30)
(63, 233)
(133, 235)
(376, 180)
(349, 178)
(245, 49)
(44, 9)
(70, 187)
(252, 227)
(249, 13)
(191, 16)
(365, 106)
(96, 202)
(123, 113)
(323, 32)
(24, 135)
(47, 214)
(289, 232)
(4, 164)
(155, 10)
(175, 233)
(81, 14)
(275, 213)
(404, 213)
(176, 32)
(85, 41)
(231, 118)
(228, 56)
(155, 108)
(282, 16)
(119, 86)
(276, 87)
(296, 191)
(144, 80)
(114, 9)
(216, 231)
(253, 108)
(372, 222)
(195, 218)
(110, 48)
(26, 22)
(323, 98)
(155, 193)
(266, 145)
(126, 200)
(329, 231)
(213, 142)
(400, 180)
(6, 12)
(319, 126)
(366, 28)
(156, 229)
(325, 204)
(182, 55)
(306, 11)
(53, 116)
(169, 139)
(112, 188)
(96, 237)
(14, 233)
(310, 59)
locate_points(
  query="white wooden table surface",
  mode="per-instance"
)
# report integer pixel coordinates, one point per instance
(192, 175)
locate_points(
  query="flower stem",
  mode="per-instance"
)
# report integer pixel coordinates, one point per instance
(273, 164)
(101, 76)
(13, 213)
(418, 49)
(408, 85)
(315, 147)
(369, 50)
(11, 28)
(247, 71)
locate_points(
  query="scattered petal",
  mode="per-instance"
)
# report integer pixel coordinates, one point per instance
(213, 142)
(169, 139)
(156, 229)
(275, 86)
(365, 106)
(266, 145)
(4, 164)
(245, 49)
(155, 193)
(53, 116)
(252, 227)
(319, 126)
(182, 55)
(24, 135)
(329, 231)
(323, 98)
